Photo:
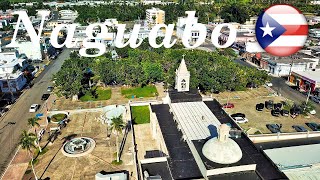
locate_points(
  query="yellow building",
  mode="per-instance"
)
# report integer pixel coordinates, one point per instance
(155, 16)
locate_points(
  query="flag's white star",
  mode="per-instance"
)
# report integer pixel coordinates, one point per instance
(267, 30)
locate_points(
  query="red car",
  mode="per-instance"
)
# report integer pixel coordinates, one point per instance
(228, 105)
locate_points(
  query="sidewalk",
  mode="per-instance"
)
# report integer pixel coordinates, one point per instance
(18, 166)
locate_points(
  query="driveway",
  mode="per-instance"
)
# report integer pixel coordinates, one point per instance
(9, 135)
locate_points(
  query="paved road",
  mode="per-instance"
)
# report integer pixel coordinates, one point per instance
(243, 63)
(9, 135)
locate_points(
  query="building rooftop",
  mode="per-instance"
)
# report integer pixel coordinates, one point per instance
(296, 58)
(158, 168)
(288, 143)
(196, 119)
(181, 161)
(191, 96)
(294, 156)
(264, 167)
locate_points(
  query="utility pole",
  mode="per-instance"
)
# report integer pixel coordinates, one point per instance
(290, 70)
(309, 92)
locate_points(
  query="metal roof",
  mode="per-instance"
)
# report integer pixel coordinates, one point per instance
(195, 119)
(295, 156)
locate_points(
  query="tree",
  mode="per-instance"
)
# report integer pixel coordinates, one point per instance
(234, 13)
(70, 77)
(33, 122)
(5, 5)
(117, 125)
(27, 143)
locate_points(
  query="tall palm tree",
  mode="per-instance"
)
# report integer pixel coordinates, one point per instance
(27, 142)
(33, 122)
(117, 125)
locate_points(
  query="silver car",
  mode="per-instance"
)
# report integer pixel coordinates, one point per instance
(316, 99)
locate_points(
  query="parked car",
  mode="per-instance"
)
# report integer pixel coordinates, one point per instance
(228, 105)
(45, 97)
(238, 115)
(313, 112)
(314, 126)
(315, 99)
(275, 112)
(259, 107)
(295, 110)
(50, 88)
(284, 112)
(277, 106)
(34, 108)
(269, 84)
(299, 128)
(37, 61)
(240, 120)
(274, 128)
(268, 104)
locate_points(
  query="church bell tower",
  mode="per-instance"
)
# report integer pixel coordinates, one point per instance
(182, 79)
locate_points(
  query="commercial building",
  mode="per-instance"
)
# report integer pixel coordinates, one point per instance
(155, 16)
(282, 66)
(306, 80)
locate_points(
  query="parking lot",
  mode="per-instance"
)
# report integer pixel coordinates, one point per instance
(259, 119)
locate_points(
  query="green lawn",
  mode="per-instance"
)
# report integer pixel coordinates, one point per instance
(137, 92)
(140, 114)
(103, 94)
(58, 117)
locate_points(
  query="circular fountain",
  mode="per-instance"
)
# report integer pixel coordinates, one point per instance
(77, 147)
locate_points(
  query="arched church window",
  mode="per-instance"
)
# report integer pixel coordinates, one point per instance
(183, 84)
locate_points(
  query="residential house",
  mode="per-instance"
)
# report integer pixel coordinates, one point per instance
(11, 75)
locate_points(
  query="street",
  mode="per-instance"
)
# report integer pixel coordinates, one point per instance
(15, 121)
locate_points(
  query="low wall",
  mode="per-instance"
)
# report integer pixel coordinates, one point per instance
(153, 160)
(233, 169)
(282, 136)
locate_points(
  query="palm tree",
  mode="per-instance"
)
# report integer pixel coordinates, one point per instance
(27, 142)
(117, 125)
(33, 122)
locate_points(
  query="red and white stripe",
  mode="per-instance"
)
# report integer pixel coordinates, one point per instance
(296, 30)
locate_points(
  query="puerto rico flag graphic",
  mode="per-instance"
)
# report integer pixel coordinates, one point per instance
(281, 30)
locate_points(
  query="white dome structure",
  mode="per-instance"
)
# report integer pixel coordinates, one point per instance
(222, 150)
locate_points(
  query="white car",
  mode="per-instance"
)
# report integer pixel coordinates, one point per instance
(313, 112)
(269, 84)
(316, 99)
(34, 108)
(240, 120)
